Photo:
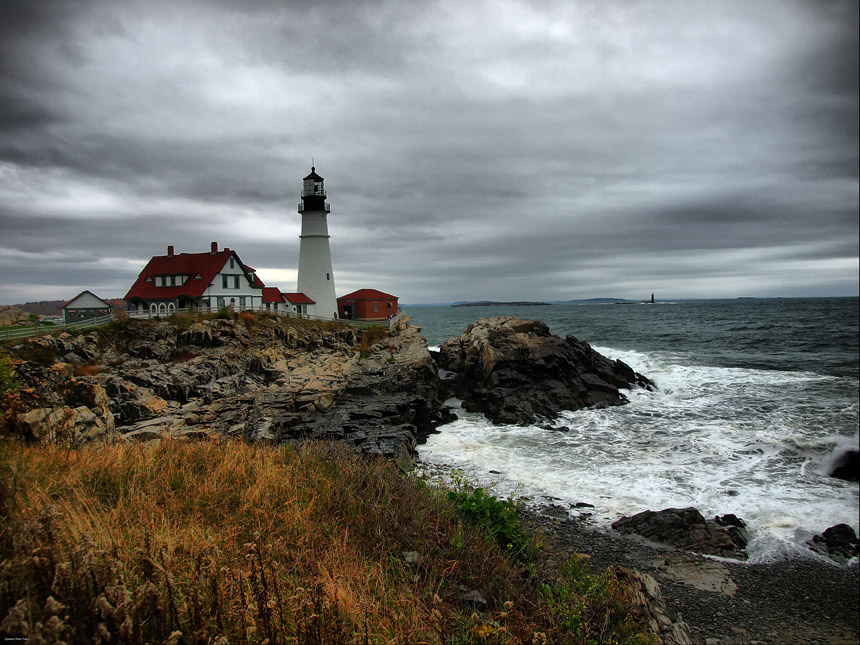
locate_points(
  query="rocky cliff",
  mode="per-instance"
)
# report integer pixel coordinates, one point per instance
(516, 372)
(259, 377)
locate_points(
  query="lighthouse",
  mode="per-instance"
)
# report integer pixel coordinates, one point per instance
(316, 278)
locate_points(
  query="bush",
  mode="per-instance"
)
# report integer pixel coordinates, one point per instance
(499, 518)
(248, 318)
(8, 381)
(370, 337)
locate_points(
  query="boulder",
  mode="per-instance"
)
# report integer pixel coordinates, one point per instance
(516, 372)
(839, 543)
(847, 466)
(683, 528)
(735, 527)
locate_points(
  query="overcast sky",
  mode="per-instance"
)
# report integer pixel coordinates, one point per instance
(505, 150)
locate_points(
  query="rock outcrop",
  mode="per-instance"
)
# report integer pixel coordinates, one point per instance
(257, 377)
(649, 607)
(837, 543)
(847, 466)
(516, 372)
(683, 528)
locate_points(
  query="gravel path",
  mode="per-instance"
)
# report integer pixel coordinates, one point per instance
(792, 601)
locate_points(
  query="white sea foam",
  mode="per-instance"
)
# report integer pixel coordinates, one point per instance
(755, 443)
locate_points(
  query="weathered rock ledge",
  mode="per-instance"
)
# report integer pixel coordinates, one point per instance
(256, 377)
(516, 372)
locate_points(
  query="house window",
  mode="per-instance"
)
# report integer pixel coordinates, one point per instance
(235, 282)
(376, 306)
(158, 281)
(232, 266)
(241, 301)
(224, 282)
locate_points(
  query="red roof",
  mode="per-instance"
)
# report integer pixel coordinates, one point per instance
(201, 269)
(272, 294)
(368, 294)
(298, 299)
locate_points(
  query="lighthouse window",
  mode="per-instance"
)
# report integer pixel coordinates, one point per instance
(327, 276)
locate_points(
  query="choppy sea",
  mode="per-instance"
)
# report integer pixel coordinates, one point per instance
(757, 398)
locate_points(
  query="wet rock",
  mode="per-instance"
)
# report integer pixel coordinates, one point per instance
(847, 466)
(839, 543)
(735, 528)
(516, 372)
(683, 528)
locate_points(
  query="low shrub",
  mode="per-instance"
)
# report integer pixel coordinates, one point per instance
(87, 370)
(371, 336)
(8, 380)
(248, 319)
(40, 354)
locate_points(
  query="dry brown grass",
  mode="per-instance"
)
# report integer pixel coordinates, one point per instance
(371, 336)
(195, 542)
(87, 370)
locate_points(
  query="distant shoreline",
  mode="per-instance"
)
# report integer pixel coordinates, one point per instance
(488, 303)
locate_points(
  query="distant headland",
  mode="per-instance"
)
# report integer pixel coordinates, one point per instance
(491, 303)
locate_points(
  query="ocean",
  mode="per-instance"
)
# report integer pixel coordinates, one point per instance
(756, 399)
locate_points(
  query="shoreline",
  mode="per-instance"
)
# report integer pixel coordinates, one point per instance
(794, 600)
(722, 601)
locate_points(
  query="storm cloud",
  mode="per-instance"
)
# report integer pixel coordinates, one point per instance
(482, 150)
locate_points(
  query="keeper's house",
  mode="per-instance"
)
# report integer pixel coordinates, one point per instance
(367, 304)
(215, 279)
(83, 306)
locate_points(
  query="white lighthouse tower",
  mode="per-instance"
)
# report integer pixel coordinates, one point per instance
(316, 278)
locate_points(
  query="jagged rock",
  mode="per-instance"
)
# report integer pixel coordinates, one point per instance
(735, 528)
(847, 466)
(280, 380)
(684, 528)
(79, 424)
(649, 608)
(516, 372)
(839, 543)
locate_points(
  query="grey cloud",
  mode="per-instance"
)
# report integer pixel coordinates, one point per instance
(476, 148)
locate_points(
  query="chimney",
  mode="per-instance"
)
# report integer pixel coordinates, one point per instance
(170, 251)
(214, 247)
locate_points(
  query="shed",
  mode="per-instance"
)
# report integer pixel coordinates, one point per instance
(367, 304)
(83, 306)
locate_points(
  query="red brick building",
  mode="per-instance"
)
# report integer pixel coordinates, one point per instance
(367, 304)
